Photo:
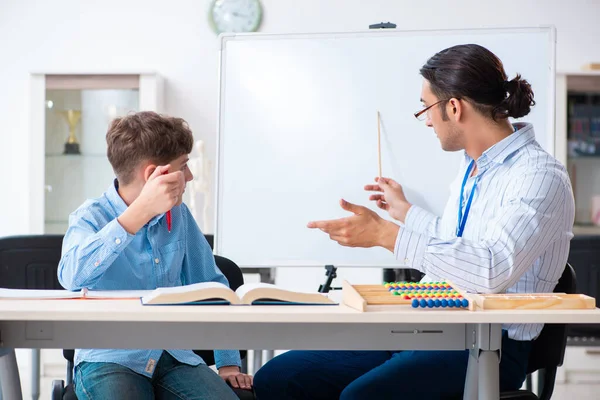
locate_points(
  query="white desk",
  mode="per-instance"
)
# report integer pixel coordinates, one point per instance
(128, 324)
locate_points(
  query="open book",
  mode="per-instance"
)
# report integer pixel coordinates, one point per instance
(217, 293)
(35, 294)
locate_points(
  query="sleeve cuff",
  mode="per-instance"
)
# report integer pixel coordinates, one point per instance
(227, 358)
(115, 237)
(410, 248)
(418, 219)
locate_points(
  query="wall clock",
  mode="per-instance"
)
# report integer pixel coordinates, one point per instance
(235, 15)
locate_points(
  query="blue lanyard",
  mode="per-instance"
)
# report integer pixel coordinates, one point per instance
(463, 220)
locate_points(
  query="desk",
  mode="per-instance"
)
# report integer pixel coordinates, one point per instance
(128, 324)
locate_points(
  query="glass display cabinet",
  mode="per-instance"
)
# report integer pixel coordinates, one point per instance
(578, 143)
(70, 117)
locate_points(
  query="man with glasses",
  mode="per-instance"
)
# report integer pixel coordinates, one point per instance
(506, 228)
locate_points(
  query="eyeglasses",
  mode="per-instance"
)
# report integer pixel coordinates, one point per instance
(423, 114)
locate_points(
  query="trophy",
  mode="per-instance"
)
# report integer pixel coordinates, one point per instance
(72, 117)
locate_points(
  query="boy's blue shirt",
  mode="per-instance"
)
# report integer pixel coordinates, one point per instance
(99, 254)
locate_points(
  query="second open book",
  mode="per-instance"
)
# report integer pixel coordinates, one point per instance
(215, 293)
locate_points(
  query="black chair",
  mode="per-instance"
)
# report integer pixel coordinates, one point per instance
(584, 256)
(548, 350)
(29, 262)
(232, 272)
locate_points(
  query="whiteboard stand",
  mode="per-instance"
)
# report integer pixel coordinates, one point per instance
(330, 275)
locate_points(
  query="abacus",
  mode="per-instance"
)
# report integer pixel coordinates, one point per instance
(445, 295)
(428, 294)
(415, 294)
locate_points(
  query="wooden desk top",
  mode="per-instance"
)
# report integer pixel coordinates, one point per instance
(134, 311)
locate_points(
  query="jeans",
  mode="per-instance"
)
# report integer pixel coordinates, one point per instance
(171, 380)
(346, 375)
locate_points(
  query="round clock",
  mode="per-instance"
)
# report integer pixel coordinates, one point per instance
(235, 15)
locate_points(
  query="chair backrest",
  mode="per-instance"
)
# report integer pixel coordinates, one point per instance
(30, 262)
(548, 350)
(231, 270)
(584, 256)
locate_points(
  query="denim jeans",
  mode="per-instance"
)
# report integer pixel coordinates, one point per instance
(346, 375)
(171, 380)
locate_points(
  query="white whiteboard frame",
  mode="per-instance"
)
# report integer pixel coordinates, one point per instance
(550, 146)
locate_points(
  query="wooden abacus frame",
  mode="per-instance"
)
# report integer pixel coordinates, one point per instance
(361, 296)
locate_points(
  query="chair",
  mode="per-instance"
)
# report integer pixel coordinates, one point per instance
(29, 262)
(548, 350)
(584, 256)
(232, 272)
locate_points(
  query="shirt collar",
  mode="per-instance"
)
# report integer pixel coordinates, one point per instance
(119, 206)
(499, 152)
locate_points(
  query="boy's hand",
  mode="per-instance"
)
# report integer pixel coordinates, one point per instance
(161, 192)
(235, 378)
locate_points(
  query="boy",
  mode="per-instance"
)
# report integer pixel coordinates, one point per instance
(121, 241)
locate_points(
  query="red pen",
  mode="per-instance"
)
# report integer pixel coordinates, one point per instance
(168, 212)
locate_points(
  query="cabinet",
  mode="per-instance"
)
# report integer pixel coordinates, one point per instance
(578, 142)
(65, 153)
(70, 114)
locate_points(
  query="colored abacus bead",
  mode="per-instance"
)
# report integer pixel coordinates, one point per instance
(450, 303)
(444, 303)
(423, 303)
(415, 303)
(430, 303)
(465, 303)
(437, 303)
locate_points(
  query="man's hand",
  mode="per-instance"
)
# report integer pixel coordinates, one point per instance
(391, 199)
(235, 378)
(363, 229)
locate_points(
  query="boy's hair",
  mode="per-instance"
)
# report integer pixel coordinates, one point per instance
(473, 73)
(145, 136)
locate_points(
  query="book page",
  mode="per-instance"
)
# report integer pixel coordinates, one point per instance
(34, 294)
(194, 293)
(116, 294)
(246, 287)
(266, 291)
(191, 288)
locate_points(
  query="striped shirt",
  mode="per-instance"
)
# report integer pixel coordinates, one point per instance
(99, 254)
(517, 234)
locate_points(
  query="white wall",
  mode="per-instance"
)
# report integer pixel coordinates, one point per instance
(174, 39)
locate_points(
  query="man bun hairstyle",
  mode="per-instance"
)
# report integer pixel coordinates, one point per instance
(520, 98)
(473, 73)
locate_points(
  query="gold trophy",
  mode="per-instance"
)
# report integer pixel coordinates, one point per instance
(72, 117)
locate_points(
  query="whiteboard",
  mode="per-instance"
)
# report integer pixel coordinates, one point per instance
(297, 132)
